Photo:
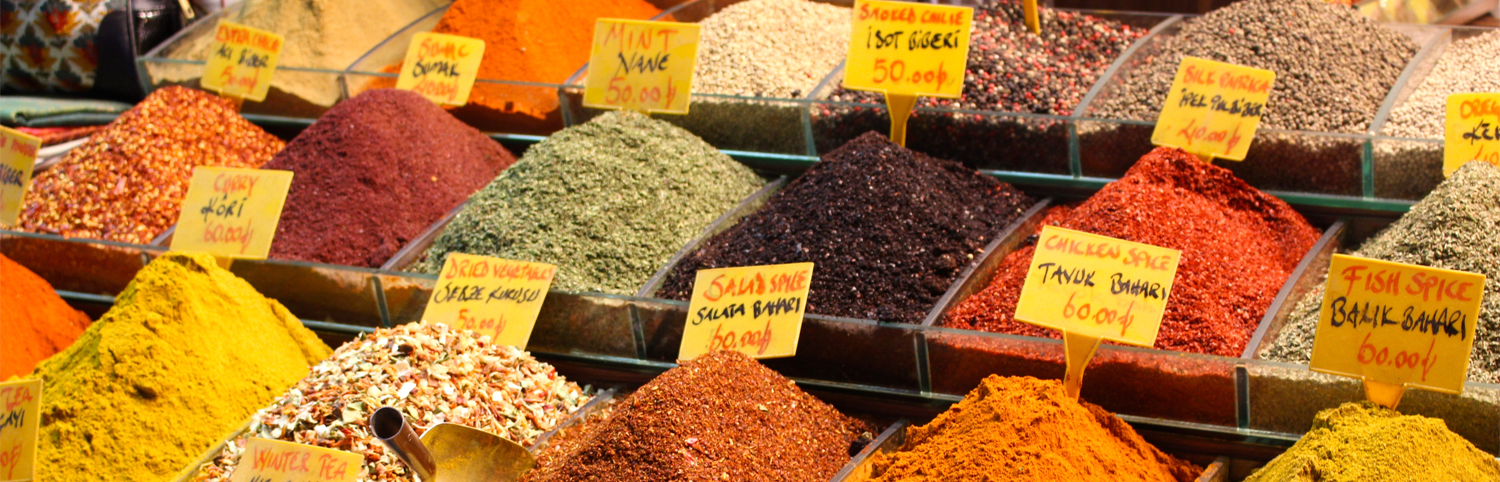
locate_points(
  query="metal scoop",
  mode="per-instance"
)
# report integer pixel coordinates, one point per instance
(450, 452)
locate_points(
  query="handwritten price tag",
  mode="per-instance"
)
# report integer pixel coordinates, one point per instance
(642, 66)
(441, 67)
(1472, 130)
(276, 461)
(906, 50)
(1213, 108)
(231, 213)
(17, 158)
(493, 296)
(1096, 287)
(21, 402)
(241, 61)
(755, 310)
(1397, 325)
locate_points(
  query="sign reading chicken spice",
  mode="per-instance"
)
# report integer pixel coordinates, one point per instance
(496, 297)
(1213, 108)
(241, 61)
(20, 415)
(17, 157)
(267, 460)
(755, 310)
(1472, 130)
(1397, 325)
(641, 66)
(441, 67)
(231, 213)
(906, 50)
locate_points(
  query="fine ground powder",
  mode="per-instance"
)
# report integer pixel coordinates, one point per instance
(34, 322)
(374, 173)
(188, 352)
(1364, 442)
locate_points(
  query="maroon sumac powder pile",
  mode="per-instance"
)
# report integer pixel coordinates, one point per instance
(373, 173)
(721, 416)
(1238, 246)
(888, 228)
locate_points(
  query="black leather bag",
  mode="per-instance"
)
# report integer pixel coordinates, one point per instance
(126, 34)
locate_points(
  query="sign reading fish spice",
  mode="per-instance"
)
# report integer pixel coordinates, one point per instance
(1397, 325)
(20, 416)
(1213, 108)
(441, 67)
(642, 66)
(241, 61)
(496, 297)
(231, 213)
(906, 50)
(755, 310)
(17, 158)
(275, 461)
(1096, 288)
(1472, 130)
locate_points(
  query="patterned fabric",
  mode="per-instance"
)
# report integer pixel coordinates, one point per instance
(48, 45)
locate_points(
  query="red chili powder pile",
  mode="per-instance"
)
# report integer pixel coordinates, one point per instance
(1238, 246)
(34, 322)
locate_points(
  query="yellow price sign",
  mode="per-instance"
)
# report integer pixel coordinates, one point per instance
(1213, 108)
(905, 50)
(496, 297)
(755, 310)
(1397, 325)
(231, 213)
(441, 67)
(1471, 130)
(20, 417)
(1096, 288)
(241, 61)
(275, 460)
(17, 158)
(642, 66)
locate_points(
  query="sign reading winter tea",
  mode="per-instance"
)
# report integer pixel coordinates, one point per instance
(496, 297)
(1472, 130)
(276, 461)
(20, 416)
(755, 310)
(907, 50)
(642, 66)
(1213, 108)
(232, 213)
(441, 67)
(17, 158)
(241, 61)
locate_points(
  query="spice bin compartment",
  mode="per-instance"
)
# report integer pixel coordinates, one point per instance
(80, 265)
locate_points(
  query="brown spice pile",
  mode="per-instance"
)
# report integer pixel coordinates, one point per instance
(721, 416)
(126, 182)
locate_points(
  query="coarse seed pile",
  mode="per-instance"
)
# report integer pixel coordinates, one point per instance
(607, 201)
(889, 229)
(1455, 227)
(722, 416)
(770, 48)
(1366, 442)
(433, 374)
(127, 181)
(1333, 66)
(1238, 246)
(1469, 65)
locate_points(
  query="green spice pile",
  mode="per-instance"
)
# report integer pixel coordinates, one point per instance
(1455, 227)
(433, 374)
(608, 201)
(1365, 442)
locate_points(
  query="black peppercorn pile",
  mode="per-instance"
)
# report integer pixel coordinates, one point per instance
(888, 228)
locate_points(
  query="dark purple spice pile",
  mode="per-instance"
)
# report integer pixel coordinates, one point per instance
(373, 173)
(888, 228)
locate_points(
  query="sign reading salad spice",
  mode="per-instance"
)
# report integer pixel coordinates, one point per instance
(241, 61)
(1472, 130)
(276, 461)
(231, 213)
(906, 50)
(17, 158)
(755, 310)
(1096, 288)
(1213, 108)
(1397, 325)
(20, 416)
(642, 66)
(493, 296)
(441, 67)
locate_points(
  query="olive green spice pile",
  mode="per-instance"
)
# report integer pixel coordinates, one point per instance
(1366, 442)
(608, 202)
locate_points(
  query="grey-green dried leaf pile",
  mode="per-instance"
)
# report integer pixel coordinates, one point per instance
(1455, 227)
(608, 202)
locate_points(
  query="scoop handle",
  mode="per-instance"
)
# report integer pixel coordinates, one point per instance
(388, 425)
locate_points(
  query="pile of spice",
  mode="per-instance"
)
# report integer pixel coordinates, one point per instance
(1455, 227)
(1238, 246)
(721, 416)
(433, 374)
(1363, 441)
(607, 201)
(889, 229)
(1022, 429)
(1010, 69)
(188, 352)
(319, 34)
(375, 172)
(127, 181)
(1333, 69)
(36, 323)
